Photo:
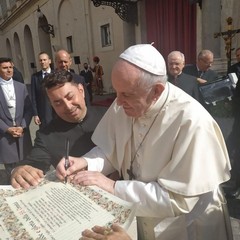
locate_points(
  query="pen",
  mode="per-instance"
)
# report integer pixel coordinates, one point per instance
(66, 165)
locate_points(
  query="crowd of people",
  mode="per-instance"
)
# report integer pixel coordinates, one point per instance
(19, 107)
(152, 139)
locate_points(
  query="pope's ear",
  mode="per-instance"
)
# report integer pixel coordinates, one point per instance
(158, 89)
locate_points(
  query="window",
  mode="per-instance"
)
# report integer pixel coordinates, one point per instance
(106, 35)
(69, 44)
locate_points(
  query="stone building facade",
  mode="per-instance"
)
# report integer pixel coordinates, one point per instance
(86, 29)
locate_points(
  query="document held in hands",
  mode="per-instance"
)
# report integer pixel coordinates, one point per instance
(54, 210)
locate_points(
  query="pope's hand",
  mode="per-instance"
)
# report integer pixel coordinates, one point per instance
(88, 178)
(114, 233)
(75, 165)
(26, 176)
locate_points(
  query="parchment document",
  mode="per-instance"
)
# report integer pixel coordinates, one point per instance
(59, 211)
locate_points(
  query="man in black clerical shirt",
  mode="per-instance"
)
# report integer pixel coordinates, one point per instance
(74, 121)
(187, 83)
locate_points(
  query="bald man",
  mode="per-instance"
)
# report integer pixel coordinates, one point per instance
(63, 61)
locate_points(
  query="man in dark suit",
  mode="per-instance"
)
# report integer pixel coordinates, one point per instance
(73, 121)
(43, 112)
(235, 68)
(63, 61)
(15, 117)
(187, 83)
(88, 76)
(202, 69)
(233, 139)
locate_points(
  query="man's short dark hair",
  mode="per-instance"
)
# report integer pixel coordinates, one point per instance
(57, 78)
(44, 53)
(5, 59)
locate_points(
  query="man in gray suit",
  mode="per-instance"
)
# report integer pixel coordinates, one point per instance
(15, 117)
(202, 69)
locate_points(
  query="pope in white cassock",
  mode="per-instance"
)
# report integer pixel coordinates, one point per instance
(168, 150)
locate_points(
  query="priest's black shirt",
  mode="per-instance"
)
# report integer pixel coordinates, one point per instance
(49, 144)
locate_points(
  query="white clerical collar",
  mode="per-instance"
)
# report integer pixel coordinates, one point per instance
(3, 81)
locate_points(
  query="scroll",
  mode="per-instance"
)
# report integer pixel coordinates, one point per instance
(58, 211)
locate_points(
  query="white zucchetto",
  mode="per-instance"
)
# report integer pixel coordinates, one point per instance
(147, 57)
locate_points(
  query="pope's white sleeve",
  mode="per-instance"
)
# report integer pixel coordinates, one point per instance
(154, 200)
(97, 161)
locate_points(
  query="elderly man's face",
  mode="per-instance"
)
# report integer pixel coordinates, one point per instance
(63, 61)
(134, 99)
(68, 102)
(204, 63)
(175, 65)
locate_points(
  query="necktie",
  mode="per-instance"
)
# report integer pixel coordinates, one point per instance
(45, 74)
(200, 73)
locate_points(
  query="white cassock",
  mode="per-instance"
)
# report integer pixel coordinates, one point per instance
(178, 167)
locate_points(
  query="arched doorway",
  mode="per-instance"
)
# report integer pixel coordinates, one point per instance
(18, 61)
(30, 52)
(44, 37)
(9, 49)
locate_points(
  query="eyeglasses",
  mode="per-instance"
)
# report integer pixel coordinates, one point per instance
(206, 62)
